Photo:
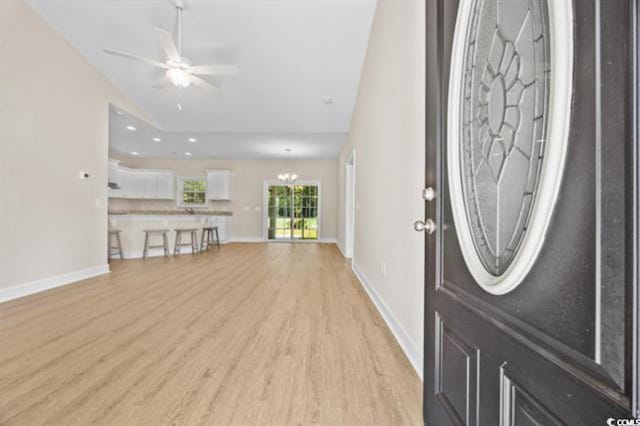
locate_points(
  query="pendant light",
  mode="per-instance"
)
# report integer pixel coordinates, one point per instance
(288, 176)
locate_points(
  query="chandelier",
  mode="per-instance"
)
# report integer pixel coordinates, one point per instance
(288, 177)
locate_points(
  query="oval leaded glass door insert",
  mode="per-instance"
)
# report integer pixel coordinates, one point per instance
(508, 120)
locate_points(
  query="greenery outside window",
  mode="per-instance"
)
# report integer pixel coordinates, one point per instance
(192, 191)
(293, 211)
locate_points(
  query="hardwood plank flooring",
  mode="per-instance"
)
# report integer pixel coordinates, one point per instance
(253, 334)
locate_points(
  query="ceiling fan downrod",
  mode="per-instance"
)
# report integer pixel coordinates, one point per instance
(180, 8)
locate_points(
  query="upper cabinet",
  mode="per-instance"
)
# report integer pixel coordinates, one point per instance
(166, 186)
(141, 184)
(218, 184)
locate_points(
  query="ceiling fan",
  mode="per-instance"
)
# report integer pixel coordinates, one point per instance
(179, 69)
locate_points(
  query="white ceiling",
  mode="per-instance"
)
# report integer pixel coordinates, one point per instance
(234, 145)
(291, 55)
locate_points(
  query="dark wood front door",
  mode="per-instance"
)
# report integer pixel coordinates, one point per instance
(530, 282)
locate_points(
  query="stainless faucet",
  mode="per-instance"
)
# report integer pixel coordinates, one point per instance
(190, 211)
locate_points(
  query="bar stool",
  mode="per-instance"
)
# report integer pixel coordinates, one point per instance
(148, 233)
(208, 239)
(193, 243)
(118, 246)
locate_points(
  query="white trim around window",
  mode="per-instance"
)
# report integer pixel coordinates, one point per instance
(180, 190)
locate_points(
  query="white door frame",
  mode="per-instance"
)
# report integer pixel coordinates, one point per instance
(265, 209)
(350, 205)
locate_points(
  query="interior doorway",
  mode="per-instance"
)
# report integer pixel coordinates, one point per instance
(350, 205)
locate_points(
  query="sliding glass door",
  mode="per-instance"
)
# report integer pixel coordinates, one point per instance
(293, 211)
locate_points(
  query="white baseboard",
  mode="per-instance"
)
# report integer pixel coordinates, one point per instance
(328, 241)
(247, 240)
(37, 286)
(341, 248)
(410, 350)
(263, 240)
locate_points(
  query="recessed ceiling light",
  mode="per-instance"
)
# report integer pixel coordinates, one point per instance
(118, 112)
(156, 139)
(193, 140)
(133, 129)
(328, 100)
(134, 153)
(188, 154)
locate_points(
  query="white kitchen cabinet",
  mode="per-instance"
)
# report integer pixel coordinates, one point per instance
(115, 188)
(166, 186)
(150, 186)
(124, 180)
(218, 184)
(141, 183)
(137, 185)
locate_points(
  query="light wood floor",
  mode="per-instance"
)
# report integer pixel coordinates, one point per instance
(278, 334)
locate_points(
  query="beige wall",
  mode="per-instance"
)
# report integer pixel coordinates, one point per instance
(387, 133)
(246, 189)
(53, 123)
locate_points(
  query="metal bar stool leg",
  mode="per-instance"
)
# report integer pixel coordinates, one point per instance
(194, 242)
(119, 245)
(165, 241)
(176, 248)
(217, 237)
(202, 241)
(145, 251)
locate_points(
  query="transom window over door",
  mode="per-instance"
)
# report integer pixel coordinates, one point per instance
(292, 211)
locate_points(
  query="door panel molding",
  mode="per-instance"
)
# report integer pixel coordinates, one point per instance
(516, 402)
(446, 339)
(567, 359)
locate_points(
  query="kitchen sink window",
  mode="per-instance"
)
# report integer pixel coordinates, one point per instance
(192, 191)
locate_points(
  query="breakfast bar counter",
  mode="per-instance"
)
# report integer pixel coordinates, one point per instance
(132, 224)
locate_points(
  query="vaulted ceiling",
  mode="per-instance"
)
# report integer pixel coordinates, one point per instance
(291, 55)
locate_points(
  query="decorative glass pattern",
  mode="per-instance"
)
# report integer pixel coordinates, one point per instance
(504, 106)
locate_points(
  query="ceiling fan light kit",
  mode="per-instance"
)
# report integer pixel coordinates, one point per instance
(179, 70)
(179, 77)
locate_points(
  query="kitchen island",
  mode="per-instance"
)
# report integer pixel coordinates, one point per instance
(132, 224)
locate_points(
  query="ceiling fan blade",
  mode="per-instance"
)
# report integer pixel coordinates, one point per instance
(163, 83)
(169, 46)
(135, 58)
(202, 84)
(220, 70)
